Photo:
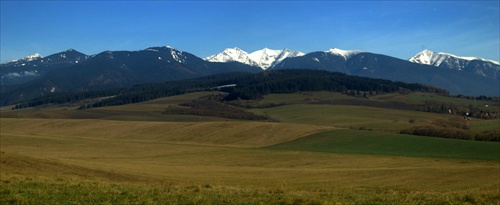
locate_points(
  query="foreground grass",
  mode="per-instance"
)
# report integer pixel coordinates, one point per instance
(120, 162)
(16, 189)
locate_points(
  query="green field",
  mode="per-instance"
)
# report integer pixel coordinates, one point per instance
(317, 154)
(347, 116)
(373, 143)
(486, 125)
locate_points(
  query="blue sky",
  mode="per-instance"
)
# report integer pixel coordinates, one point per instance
(396, 28)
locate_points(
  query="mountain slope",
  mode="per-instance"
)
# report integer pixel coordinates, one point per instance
(35, 66)
(385, 67)
(111, 69)
(472, 65)
(71, 70)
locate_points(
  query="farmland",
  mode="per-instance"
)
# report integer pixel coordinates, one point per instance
(318, 153)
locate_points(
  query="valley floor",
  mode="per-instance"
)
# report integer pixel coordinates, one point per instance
(315, 148)
(105, 161)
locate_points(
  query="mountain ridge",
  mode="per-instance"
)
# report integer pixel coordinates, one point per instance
(71, 70)
(111, 69)
(264, 58)
(474, 65)
(26, 58)
(429, 53)
(34, 66)
(386, 67)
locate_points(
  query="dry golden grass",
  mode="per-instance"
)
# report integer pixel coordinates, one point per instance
(131, 151)
(222, 153)
(43, 167)
(160, 104)
(144, 111)
(247, 134)
(222, 161)
(236, 166)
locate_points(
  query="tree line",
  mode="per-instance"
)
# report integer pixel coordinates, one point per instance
(296, 80)
(214, 107)
(454, 128)
(249, 86)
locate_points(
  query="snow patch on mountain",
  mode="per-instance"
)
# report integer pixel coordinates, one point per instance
(27, 58)
(344, 53)
(177, 55)
(474, 65)
(267, 58)
(429, 57)
(471, 58)
(264, 58)
(231, 55)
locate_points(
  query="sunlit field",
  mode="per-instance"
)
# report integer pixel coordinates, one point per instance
(317, 154)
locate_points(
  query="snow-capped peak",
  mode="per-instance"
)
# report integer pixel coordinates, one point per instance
(474, 65)
(429, 57)
(28, 58)
(32, 57)
(264, 58)
(344, 53)
(230, 55)
(267, 58)
(470, 58)
(424, 57)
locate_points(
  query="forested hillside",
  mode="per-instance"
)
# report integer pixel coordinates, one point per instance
(290, 81)
(241, 86)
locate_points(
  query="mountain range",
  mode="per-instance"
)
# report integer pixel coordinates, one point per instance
(70, 70)
(459, 75)
(35, 66)
(454, 79)
(474, 65)
(264, 58)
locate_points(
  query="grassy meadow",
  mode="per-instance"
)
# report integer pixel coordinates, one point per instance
(377, 143)
(317, 154)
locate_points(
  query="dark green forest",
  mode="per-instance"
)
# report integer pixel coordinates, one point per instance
(248, 86)
(291, 81)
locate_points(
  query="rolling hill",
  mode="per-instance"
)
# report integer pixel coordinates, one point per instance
(328, 147)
